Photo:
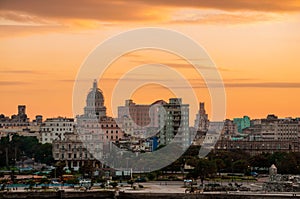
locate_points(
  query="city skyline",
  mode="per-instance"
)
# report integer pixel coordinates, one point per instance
(254, 45)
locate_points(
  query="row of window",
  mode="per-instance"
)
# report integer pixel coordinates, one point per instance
(102, 126)
(59, 124)
(57, 129)
(74, 156)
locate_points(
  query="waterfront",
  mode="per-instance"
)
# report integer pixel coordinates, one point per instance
(154, 189)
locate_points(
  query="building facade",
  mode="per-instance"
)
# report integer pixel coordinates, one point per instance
(76, 150)
(174, 123)
(201, 125)
(55, 128)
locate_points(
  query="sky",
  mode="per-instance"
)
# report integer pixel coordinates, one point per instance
(254, 45)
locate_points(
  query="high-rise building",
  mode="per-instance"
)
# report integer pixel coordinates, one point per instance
(174, 123)
(201, 125)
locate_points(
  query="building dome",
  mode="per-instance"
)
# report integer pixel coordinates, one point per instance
(95, 96)
(95, 102)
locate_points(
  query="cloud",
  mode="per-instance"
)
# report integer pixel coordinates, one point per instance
(12, 83)
(88, 9)
(276, 85)
(221, 17)
(20, 72)
(265, 85)
(177, 65)
(135, 10)
(232, 5)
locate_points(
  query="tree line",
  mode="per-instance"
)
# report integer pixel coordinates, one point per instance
(19, 148)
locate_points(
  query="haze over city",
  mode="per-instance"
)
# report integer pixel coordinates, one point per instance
(255, 46)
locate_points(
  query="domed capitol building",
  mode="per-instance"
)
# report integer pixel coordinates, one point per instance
(95, 103)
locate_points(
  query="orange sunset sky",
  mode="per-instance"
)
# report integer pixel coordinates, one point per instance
(255, 44)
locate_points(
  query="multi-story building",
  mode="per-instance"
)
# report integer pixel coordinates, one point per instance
(267, 135)
(91, 137)
(230, 128)
(20, 124)
(272, 128)
(20, 120)
(174, 123)
(242, 123)
(258, 147)
(111, 129)
(88, 124)
(76, 150)
(201, 125)
(140, 120)
(55, 128)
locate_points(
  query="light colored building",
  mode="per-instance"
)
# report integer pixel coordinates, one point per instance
(76, 150)
(95, 103)
(201, 125)
(92, 135)
(174, 123)
(273, 128)
(55, 128)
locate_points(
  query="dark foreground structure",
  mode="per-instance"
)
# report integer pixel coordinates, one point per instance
(134, 195)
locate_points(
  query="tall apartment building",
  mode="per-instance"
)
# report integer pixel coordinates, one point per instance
(174, 123)
(55, 128)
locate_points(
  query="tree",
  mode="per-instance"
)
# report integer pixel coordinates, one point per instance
(260, 161)
(87, 169)
(204, 168)
(220, 165)
(240, 166)
(59, 170)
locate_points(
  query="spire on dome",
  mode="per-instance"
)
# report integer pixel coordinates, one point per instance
(95, 86)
